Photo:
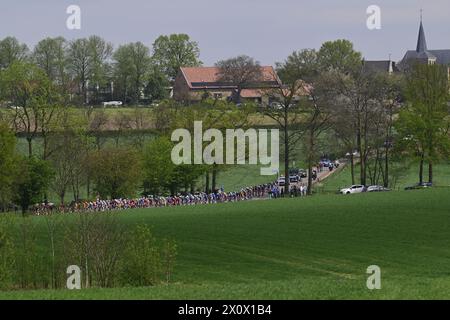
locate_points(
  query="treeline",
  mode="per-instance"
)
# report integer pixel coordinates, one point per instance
(329, 101)
(90, 70)
(107, 253)
(76, 158)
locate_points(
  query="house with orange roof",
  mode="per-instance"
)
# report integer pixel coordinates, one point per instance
(194, 84)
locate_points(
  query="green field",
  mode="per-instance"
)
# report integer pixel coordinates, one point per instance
(304, 248)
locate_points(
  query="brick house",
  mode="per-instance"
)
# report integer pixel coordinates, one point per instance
(193, 84)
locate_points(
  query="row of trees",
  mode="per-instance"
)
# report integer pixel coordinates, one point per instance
(89, 70)
(329, 102)
(77, 156)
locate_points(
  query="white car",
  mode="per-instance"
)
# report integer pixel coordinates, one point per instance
(377, 189)
(353, 189)
(112, 103)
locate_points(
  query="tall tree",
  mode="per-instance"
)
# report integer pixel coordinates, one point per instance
(241, 72)
(339, 56)
(11, 50)
(158, 168)
(69, 159)
(34, 97)
(424, 124)
(33, 182)
(132, 64)
(175, 51)
(116, 172)
(287, 112)
(100, 52)
(50, 55)
(156, 85)
(88, 62)
(80, 65)
(304, 108)
(352, 93)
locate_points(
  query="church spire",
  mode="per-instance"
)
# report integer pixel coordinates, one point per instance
(421, 41)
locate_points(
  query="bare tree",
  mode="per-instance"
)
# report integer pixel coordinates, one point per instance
(240, 72)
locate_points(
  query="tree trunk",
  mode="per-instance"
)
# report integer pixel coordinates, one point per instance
(214, 177)
(30, 146)
(286, 152)
(386, 168)
(421, 169)
(362, 160)
(352, 167)
(310, 160)
(61, 197)
(88, 186)
(430, 172)
(207, 182)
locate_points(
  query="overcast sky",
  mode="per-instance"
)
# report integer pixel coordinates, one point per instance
(267, 30)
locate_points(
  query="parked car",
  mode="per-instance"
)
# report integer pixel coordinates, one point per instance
(302, 173)
(276, 105)
(294, 179)
(418, 186)
(112, 103)
(281, 181)
(377, 189)
(325, 162)
(353, 189)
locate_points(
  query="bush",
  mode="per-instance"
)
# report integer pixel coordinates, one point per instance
(95, 244)
(142, 262)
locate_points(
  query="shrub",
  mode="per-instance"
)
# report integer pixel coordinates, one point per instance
(142, 262)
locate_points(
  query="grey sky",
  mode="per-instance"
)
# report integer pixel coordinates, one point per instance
(266, 29)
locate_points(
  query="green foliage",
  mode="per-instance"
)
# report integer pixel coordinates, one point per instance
(8, 164)
(158, 168)
(299, 65)
(142, 259)
(132, 69)
(157, 84)
(339, 56)
(116, 172)
(87, 61)
(33, 181)
(175, 51)
(95, 243)
(424, 123)
(11, 51)
(168, 254)
(25, 85)
(49, 55)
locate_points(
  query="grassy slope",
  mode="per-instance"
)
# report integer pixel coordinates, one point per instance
(317, 247)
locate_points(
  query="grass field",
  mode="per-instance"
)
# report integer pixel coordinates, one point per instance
(309, 248)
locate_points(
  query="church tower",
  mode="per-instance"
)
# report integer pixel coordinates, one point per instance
(421, 41)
